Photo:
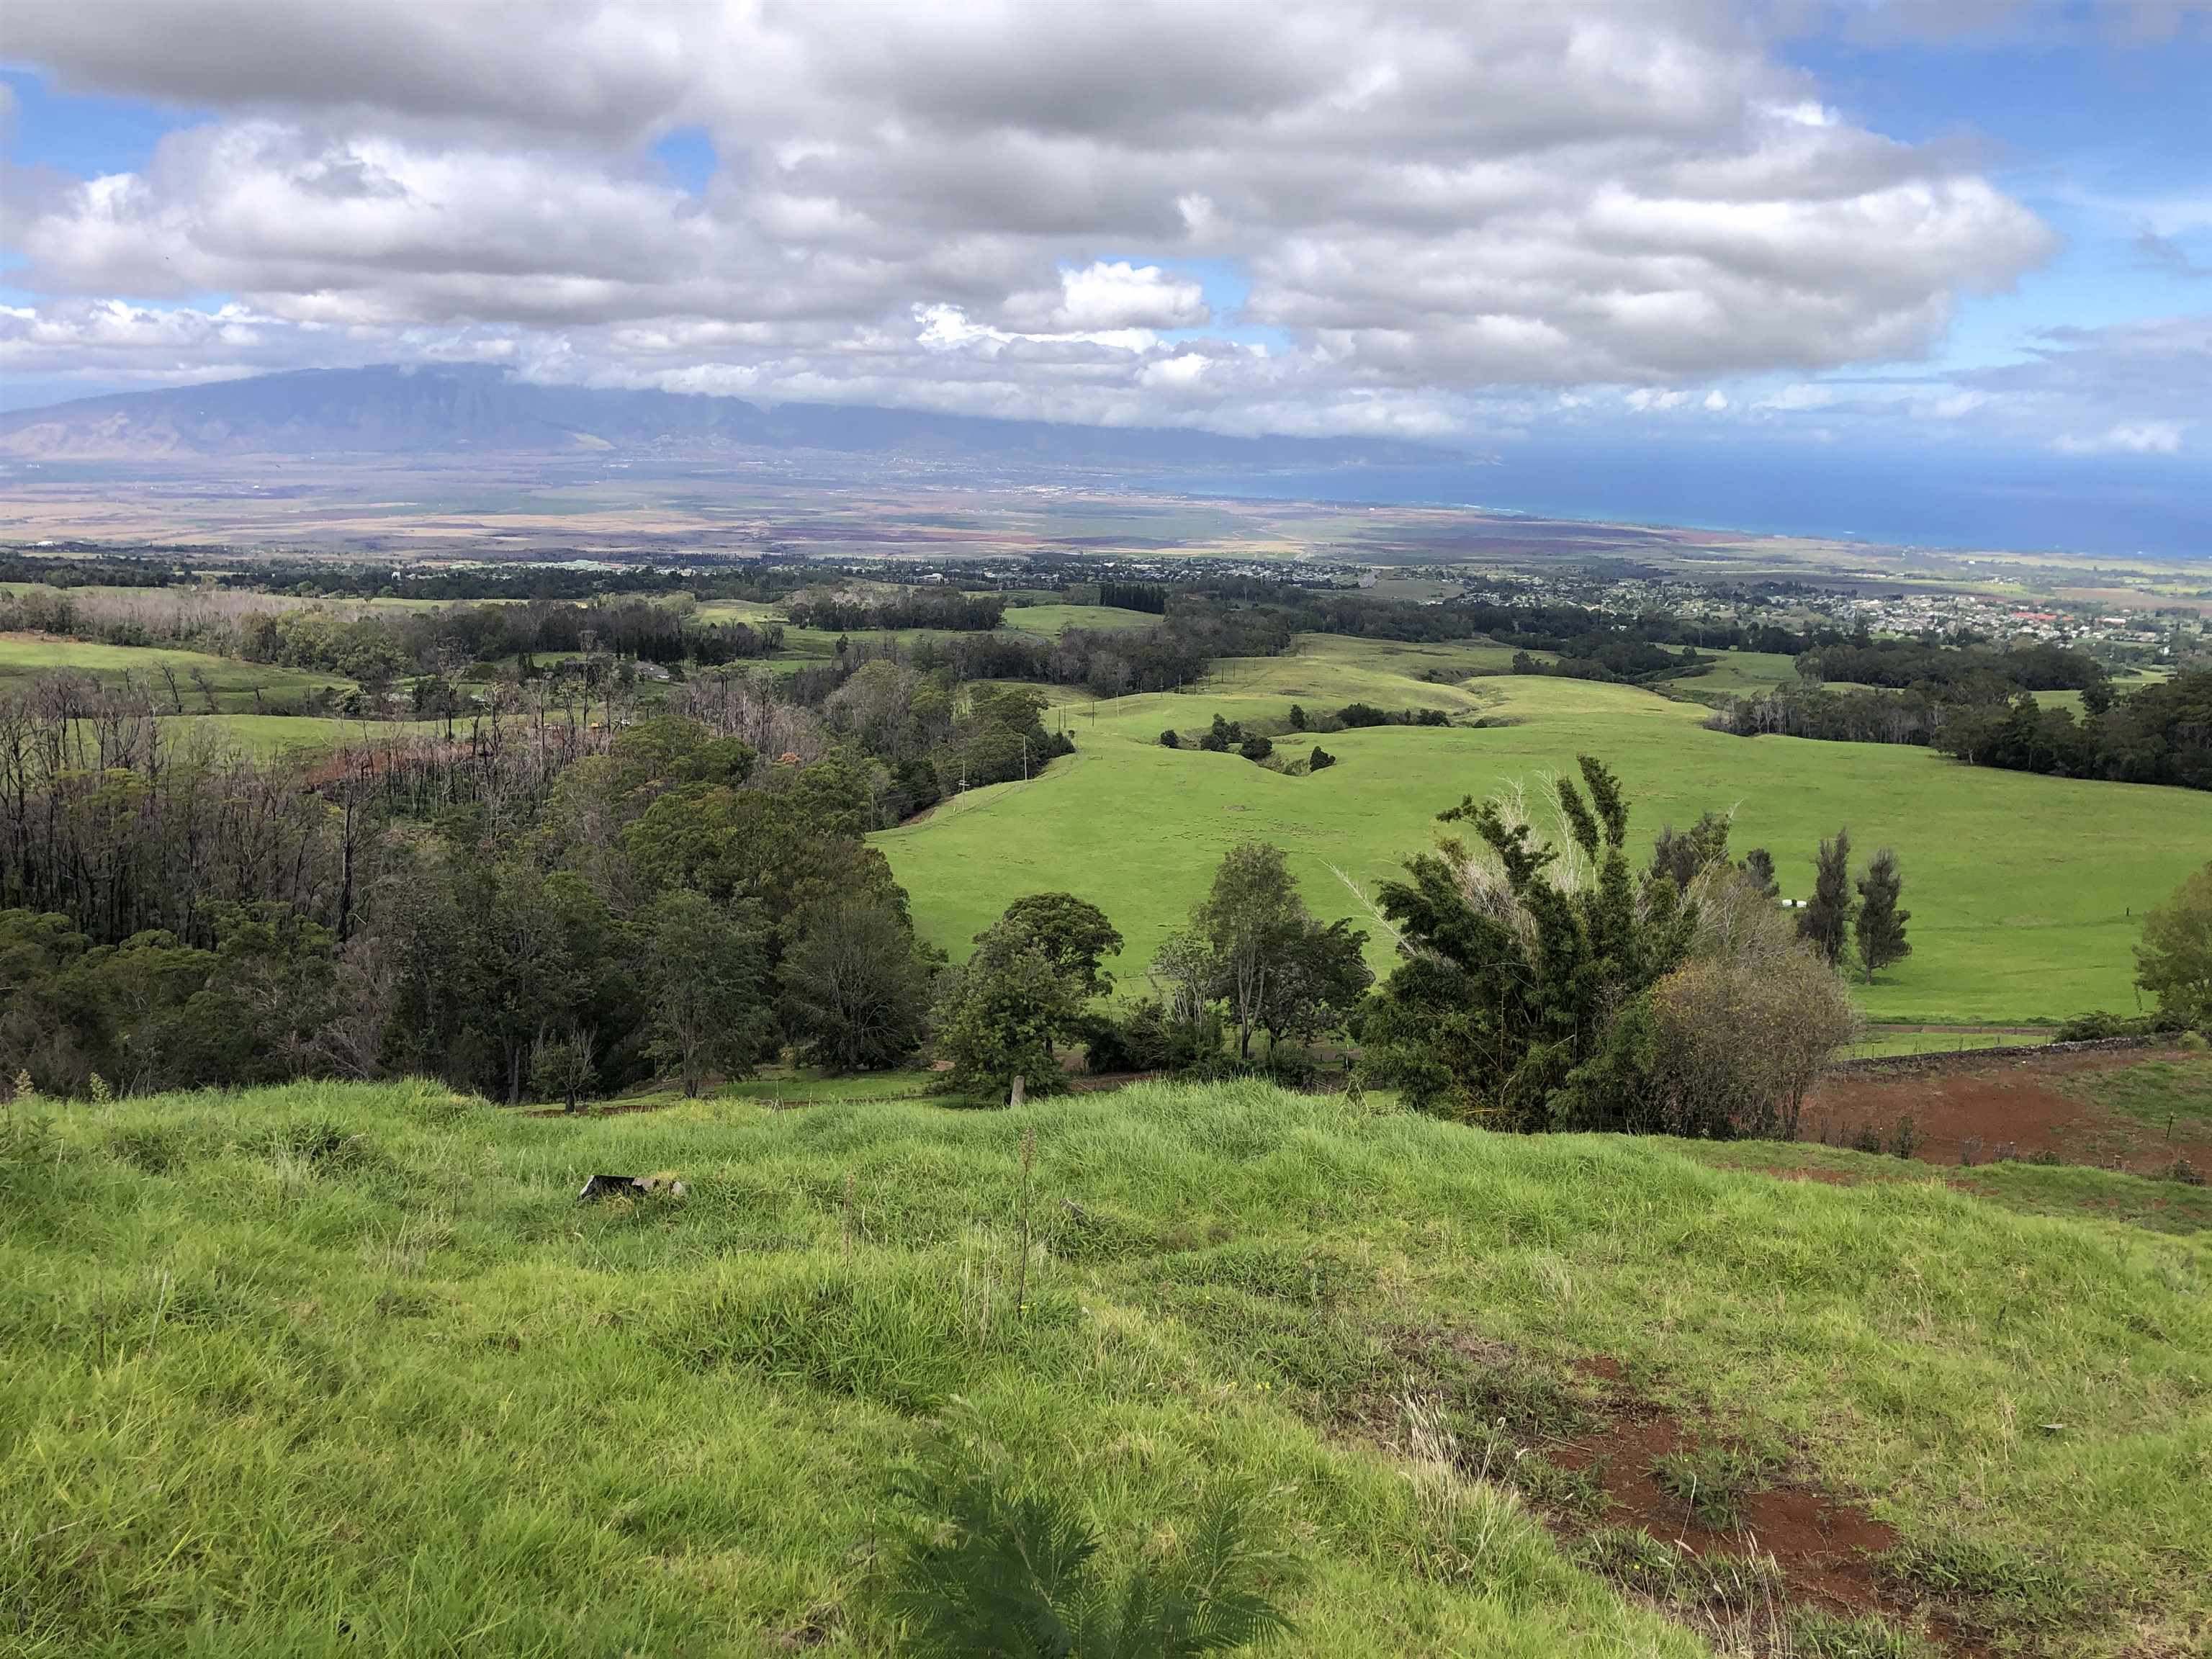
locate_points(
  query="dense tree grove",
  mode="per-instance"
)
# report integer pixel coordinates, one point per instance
(1978, 706)
(898, 607)
(519, 905)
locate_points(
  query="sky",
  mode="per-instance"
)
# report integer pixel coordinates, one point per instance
(1865, 232)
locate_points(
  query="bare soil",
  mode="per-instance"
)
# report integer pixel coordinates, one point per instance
(2015, 1096)
(1827, 1548)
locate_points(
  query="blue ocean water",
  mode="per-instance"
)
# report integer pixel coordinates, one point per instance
(2113, 506)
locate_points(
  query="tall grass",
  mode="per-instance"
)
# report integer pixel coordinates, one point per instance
(345, 1370)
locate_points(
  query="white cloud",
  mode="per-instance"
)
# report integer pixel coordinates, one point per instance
(993, 200)
(2127, 438)
(1796, 397)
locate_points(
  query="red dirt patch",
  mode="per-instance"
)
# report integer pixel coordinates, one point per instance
(1823, 1546)
(2013, 1098)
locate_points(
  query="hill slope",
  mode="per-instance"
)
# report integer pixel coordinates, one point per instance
(441, 410)
(344, 1369)
(2013, 915)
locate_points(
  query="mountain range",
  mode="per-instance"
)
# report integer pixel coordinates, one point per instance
(394, 409)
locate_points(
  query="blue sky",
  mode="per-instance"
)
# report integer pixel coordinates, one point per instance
(1872, 228)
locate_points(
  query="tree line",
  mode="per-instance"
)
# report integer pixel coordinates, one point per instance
(2160, 733)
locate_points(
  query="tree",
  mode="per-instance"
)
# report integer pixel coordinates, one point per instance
(1074, 934)
(564, 1069)
(704, 964)
(1825, 922)
(1321, 974)
(999, 1014)
(1743, 1029)
(1521, 962)
(1320, 760)
(855, 986)
(1757, 867)
(1881, 926)
(1682, 855)
(1169, 739)
(1248, 920)
(2174, 961)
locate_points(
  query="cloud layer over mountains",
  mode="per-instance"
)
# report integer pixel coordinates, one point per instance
(1304, 214)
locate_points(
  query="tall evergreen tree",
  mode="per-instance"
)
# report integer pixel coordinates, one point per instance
(1826, 923)
(1881, 925)
(1758, 866)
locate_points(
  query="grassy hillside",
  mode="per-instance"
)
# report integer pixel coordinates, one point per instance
(2020, 887)
(342, 1370)
(24, 657)
(1052, 620)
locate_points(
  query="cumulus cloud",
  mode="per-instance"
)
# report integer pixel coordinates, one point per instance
(996, 206)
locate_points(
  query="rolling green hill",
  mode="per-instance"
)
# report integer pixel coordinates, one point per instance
(2020, 887)
(24, 657)
(338, 1370)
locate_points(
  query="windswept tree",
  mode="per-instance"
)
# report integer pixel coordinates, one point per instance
(1880, 927)
(1685, 854)
(1825, 922)
(1542, 987)
(2174, 961)
(1520, 955)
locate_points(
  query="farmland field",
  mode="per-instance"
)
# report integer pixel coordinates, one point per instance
(2026, 892)
(341, 1369)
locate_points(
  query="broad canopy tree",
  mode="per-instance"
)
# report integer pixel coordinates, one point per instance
(2173, 963)
(1000, 1014)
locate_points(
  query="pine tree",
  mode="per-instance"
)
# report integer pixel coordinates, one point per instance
(1826, 921)
(1881, 926)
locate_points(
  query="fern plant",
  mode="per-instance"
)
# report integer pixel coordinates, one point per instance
(993, 1575)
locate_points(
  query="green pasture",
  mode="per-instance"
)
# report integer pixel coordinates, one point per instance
(1737, 674)
(2026, 892)
(342, 1369)
(1051, 621)
(25, 657)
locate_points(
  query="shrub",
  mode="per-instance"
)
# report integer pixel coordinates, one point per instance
(1255, 748)
(1169, 740)
(1138, 1041)
(1904, 1138)
(2183, 1170)
(1320, 760)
